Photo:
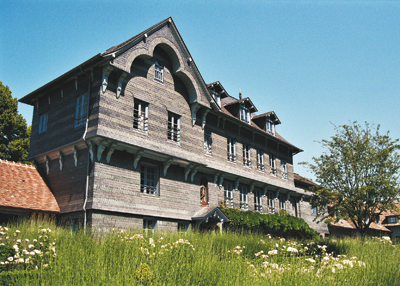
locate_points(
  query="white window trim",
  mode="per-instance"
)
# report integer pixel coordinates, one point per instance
(282, 201)
(284, 169)
(146, 223)
(142, 126)
(246, 155)
(260, 161)
(144, 188)
(229, 195)
(175, 134)
(159, 72)
(271, 202)
(270, 128)
(43, 119)
(244, 114)
(231, 150)
(258, 201)
(272, 164)
(244, 198)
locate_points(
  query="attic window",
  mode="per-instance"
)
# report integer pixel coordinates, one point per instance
(159, 72)
(270, 127)
(244, 114)
(392, 219)
(217, 97)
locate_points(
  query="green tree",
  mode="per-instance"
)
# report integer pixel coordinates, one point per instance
(14, 134)
(358, 175)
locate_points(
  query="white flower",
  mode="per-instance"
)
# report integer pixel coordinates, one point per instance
(292, 250)
(31, 246)
(361, 264)
(10, 258)
(348, 262)
(17, 231)
(273, 252)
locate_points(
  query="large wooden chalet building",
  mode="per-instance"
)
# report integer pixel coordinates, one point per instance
(134, 137)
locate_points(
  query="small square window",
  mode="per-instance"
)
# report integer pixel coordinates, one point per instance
(43, 122)
(159, 72)
(174, 127)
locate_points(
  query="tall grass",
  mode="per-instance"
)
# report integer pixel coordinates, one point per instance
(129, 258)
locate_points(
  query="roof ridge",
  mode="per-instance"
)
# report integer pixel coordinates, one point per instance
(17, 164)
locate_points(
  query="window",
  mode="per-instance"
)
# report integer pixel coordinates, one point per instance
(217, 97)
(81, 110)
(284, 169)
(282, 202)
(149, 180)
(293, 201)
(140, 115)
(244, 198)
(149, 225)
(272, 164)
(314, 211)
(244, 114)
(159, 72)
(43, 122)
(246, 155)
(270, 127)
(204, 191)
(231, 150)
(207, 143)
(271, 202)
(260, 160)
(378, 221)
(174, 127)
(183, 227)
(258, 201)
(392, 219)
(228, 195)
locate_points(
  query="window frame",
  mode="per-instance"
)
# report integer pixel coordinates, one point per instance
(244, 114)
(246, 155)
(272, 164)
(229, 194)
(284, 169)
(158, 72)
(270, 127)
(147, 222)
(143, 180)
(258, 206)
(282, 201)
(140, 115)
(244, 198)
(260, 160)
(207, 143)
(231, 152)
(393, 219)
(43, 120)
(174, 127)
(271, 202)
(81, 110)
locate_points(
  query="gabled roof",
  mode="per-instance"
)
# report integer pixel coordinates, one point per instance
(210, 212)
(217, 86)
(246, 102)
(22, 187)
(271, 114)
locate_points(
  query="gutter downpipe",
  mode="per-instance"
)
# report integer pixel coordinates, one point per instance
(87, 145)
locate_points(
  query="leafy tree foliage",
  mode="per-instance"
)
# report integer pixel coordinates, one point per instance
(14, 134)
(358, 175)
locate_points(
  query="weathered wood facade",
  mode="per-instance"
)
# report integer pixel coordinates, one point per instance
(134, 137)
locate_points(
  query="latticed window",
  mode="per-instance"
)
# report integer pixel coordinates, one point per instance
(174, 127)
(271, 202)
(244, 198)
(81, 110)
(140, 115)
(43, 122)
(159, 72)
(284, 169)
(229, 195)
(272, 164)
(258, 201)
(246, 155)
(149, 225)
(207, 143)
(231, 150)
(260, 161)
(149, 180)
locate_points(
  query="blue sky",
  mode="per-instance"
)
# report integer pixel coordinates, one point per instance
(313, 62)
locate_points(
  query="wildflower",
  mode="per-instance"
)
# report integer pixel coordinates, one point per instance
(310, 260)
(6, 229)
(18, 240)
(26, 240)
(15, 247)
(333, 270)
(273, 252)
(20, 260)
(361, 264)
(35, 240)
(43, 230)
(151, 242)
(292, 250)
(10, 258)
(259, 253)
(386, 238)
(348, 262)
(282, 240)
(31, 246)
(276, 245)
(306, 248)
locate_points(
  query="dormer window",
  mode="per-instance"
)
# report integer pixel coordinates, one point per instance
(392, 220)
(159, 72)
(244, 114)
(217, 97)
(270, 127)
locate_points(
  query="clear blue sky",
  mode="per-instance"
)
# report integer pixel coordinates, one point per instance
(312, 62)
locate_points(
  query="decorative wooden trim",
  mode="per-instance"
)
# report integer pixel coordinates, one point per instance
(136, 160)
(47, 159)
(100, 150)
(60, 159)
(91, 150)
(166, 165)
(204, 117)
(193, 174)
(187, 171)
(109, 154)
(194, 107)
(120, 81)
(221, 181)
(75, 149)
(237, 184)
(106, 72)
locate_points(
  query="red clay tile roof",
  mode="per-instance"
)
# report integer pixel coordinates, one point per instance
(349, 224)
(22, 187)
(299, 178)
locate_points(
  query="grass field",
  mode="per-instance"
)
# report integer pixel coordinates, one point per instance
(56, 256)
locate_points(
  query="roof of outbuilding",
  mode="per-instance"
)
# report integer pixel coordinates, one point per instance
(22, 187)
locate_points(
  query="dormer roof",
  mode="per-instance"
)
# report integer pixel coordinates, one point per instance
(269, 115)
(244, 101)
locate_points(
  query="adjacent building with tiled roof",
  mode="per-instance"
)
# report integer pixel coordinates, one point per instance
(23, 191)
(134, 137)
